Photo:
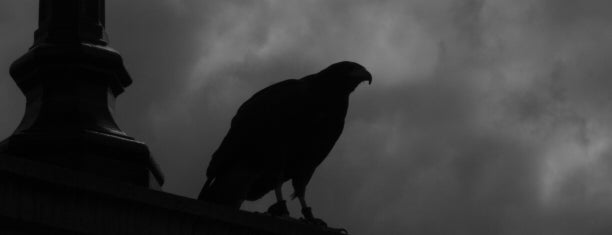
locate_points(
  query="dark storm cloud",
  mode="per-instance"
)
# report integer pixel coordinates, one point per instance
(484, 117)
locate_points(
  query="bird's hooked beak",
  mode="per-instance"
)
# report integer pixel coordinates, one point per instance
(361, 75)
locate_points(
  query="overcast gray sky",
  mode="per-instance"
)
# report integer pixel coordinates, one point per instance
(484, 117)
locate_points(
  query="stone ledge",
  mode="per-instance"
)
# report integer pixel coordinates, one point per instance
(39, 197)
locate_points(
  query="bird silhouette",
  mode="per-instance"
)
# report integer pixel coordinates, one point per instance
(282, 133)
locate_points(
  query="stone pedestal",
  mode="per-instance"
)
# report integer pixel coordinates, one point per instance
(37, 198)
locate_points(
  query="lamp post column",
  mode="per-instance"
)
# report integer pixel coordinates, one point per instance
(70, 78)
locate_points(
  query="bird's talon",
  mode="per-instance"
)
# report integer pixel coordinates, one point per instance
(309, 218)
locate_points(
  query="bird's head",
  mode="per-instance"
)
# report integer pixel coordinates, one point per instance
(345, 76)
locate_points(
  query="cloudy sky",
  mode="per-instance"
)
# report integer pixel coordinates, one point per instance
(484, 117)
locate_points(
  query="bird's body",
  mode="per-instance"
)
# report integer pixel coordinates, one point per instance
(281, 133)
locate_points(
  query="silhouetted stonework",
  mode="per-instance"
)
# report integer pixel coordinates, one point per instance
(37, 198)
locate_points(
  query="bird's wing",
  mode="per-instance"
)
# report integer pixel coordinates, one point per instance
(261, 129)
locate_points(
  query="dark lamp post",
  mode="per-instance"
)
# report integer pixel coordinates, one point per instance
(70, 78)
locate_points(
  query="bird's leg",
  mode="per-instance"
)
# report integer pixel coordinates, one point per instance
(280, 207)
(278, 192)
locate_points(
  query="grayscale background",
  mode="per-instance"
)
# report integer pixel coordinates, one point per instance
(484, 117)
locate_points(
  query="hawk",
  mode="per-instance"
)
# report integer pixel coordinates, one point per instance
(282, 133)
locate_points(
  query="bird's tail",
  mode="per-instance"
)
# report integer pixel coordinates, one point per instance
(224, 190)
(205, 189)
